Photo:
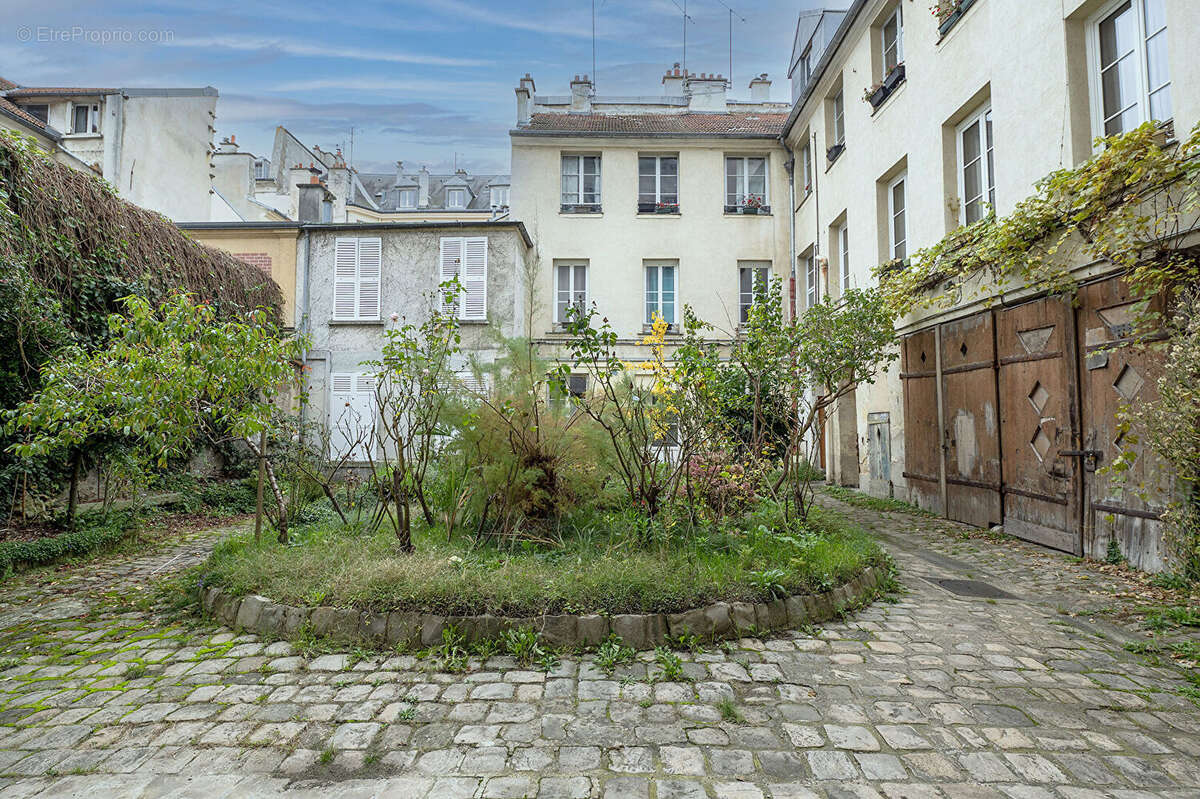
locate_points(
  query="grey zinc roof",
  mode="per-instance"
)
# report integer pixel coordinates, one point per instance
(386, 183)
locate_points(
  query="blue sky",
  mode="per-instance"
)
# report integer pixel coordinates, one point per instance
(419, 81)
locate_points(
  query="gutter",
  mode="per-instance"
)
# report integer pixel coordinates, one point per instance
(614, 134)
(823, 65)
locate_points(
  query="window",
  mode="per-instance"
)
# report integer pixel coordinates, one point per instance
(897, 227)
(573, 387)
(456, 198)
(745, 182)
(466, 260)
(580, 183)
(892, 36)
(41, 112)
(806, 167)
(811, 280)
(839, 120)
(262, 169)
(976, 172)
(326, 211)
(499, 196)
(85, 119)
(357, 269)
(754, 280)
(352, 415)
(408, 198)
(843, 240)
(570, 289)
(1130, 84)
(660, 291)
(658, 183)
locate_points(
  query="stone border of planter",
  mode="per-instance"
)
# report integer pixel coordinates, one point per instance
(637, 630)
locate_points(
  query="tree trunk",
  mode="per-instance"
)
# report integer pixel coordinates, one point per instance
(73, 495)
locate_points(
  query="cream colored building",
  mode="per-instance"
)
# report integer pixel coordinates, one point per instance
(270, 246)
(647, 204)
(910, 125)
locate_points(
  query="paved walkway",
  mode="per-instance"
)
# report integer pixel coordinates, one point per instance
(938, 694)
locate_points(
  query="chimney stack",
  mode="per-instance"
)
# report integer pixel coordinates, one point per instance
(581, 94)
(399, 172)
(760, 89)
(423, 188)
(525, 100)
(673, 81)
(705, 92)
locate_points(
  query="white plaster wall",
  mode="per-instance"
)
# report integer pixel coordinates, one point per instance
(164, 151)
(707, 242)
(1029, 58)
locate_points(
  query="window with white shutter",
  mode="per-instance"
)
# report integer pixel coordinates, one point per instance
(465, 259)
(352, 415)
(358, 267)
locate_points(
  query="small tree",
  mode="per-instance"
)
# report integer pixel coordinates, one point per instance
(412, 392)
(168, 378)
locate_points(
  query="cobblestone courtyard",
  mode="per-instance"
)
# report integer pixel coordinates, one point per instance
(935, 694)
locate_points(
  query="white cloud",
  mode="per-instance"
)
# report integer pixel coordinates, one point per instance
(299, 48)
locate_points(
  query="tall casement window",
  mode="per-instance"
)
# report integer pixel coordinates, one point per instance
(811, 281)
(843, 243)
(661, 290)
(85, 118)
(976, 170)
(408, 198)
(892, 39)
(357, 266)
(456, 198)
(754, 281)
(570, 289)
(580, 183)
(465, 258)
(352, 415)
(897, 226)
(806, 175)
(658, 184)
(1128, 49)
(745, 182)
(839, 119)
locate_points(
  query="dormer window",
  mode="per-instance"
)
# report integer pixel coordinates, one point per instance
(456, 198)
(85, 118)
(499, 197)
(408, 198)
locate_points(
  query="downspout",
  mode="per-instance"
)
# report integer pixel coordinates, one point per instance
(817, 221)
(790, 166)
(302, 325)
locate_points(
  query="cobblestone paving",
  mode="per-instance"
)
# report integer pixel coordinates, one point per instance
(932, 695)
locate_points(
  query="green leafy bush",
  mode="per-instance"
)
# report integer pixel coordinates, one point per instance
(91, 535)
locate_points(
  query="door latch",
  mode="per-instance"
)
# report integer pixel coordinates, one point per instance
(1091, 457)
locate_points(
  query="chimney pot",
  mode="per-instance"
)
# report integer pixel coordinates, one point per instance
(232, 138)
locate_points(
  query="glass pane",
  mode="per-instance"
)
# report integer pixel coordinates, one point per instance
(991, 174)
(757, 182)
(899, 251)
(668, 294)
(732, 194)
(651, 292)
(889, 45)
(646, 165)
(669, 189)
(1156, 61)
(570, 189)
(898, 198)
(745, 280)
(591, 164)
(1156, 17)
(970, 143)
(646, 191)
(670, 166)
(591, 189)
(564, 292)
(1119, 84)
(972, 189)
(1117, 35)
(1160, 104)
(580, 282)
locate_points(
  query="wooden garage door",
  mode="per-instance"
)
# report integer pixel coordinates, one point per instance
(1039, 423)
(922, 434)
(971, 420)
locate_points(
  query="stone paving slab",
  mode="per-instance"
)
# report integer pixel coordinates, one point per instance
(932, 694)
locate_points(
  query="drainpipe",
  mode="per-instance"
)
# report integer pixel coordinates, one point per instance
(302, 323)
(790, 166)
(812, 149)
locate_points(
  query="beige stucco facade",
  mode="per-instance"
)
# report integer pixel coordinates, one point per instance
(272, 248)
(1030, 62)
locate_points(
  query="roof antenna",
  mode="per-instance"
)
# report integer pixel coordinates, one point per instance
(732, 14)
(593, 46)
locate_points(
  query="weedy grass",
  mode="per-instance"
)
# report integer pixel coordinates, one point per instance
(860, 500)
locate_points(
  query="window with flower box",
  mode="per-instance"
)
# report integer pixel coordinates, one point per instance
(658, 184)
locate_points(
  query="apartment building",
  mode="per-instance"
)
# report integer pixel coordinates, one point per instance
(907, 124)
(152, 145)
(642, 205)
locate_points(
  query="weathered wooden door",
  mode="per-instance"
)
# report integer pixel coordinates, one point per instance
(1115, 372)
(922, 433)
(1039, 423)
(971, 420)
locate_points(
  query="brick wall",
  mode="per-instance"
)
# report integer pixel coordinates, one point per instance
(260, 259)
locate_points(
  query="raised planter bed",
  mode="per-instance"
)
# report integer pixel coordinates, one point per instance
(717, 621)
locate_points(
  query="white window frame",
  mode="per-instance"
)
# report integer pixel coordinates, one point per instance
(898, 17)
(346, 390)
(1141, 57)
(499, 196)
(357, 278)
(407, 199)
(659, 268)
(807, 165)
(573, 294)
(843, 241)
(839, 118)
(754, 267)
(658, 176)
(93, 117)
(458, 193)
(465, 257)
(986, 156)
(743, 179)
(900, 180)
(812, 278)
(578, 160)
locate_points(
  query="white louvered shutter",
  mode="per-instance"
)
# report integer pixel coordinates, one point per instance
(341, 414)
(345, 279)
(370, 269)
(474, 279)
(451, 266)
